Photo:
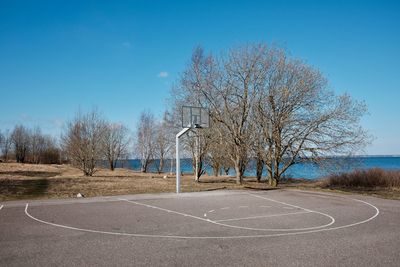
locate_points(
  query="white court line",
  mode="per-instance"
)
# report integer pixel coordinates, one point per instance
(225, 208)
(215, 237)
(210, 211)
(240, 227)
(265, 206)
(280, 202)
(261, 216)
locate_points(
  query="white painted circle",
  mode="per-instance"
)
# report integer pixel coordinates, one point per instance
(207, 220)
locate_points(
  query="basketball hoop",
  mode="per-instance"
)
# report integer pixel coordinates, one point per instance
(192, 118)
(195, 117)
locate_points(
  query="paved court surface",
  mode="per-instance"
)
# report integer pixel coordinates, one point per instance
(224, 228)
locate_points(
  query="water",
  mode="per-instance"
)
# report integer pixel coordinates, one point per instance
(307, 170)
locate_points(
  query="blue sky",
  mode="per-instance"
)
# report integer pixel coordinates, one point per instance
(58, 57)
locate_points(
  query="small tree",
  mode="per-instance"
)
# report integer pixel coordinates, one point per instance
(196, 143)
(20, 140)
(115, 143)
(145, 139)
(163, 142)
(51, 151)
(82, 141)
(37, 144)
(1, 142)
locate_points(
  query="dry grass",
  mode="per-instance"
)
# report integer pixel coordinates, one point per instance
(374, 182)
(365, 178)
(28, 181)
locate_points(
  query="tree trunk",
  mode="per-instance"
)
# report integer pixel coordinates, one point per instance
(144, 167)
(259, 168)
(161, 165)
(271, 180)
(239, 176)
(226, 170)
(276, 173)
(239, 170)
(216, 170)
(200, 170)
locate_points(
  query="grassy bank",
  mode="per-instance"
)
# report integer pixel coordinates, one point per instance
(29, 181)
(375, 182)
(371, 178)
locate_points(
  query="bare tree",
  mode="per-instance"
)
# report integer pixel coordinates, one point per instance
(6, 145)
(301, 119)
(1, 142)
(163, 141)
(227, 86)
(29, 146)
(217, 156)
(82, 141)
(271, 108)
(20, 139)
(145, 140)
(115, 143)
(258, 152)
(50, 153)
(197, 143)
(37, 144)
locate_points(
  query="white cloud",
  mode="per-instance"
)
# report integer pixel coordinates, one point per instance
(162, 74)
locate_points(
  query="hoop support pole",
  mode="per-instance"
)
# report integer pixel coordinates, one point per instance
(178, 160)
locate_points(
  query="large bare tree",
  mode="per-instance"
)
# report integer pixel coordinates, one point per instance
(146, 139)
(82, 141)
(115, 143)
(272, 108)
(301, 118)
(227, 86)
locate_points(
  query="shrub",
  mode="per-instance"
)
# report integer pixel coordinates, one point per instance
(365, 178)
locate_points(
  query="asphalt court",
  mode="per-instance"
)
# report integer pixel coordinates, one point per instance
(219, 228)
(236, 215)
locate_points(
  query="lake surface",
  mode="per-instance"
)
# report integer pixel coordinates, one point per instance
(305, 170)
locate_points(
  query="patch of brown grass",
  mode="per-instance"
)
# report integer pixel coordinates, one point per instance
(372, 182)
(371, 178)
(29, 181)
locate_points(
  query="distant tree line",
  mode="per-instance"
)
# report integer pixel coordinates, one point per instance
(88, 142)
(26, 145)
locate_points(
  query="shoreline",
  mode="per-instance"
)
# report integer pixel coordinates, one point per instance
(31, 181)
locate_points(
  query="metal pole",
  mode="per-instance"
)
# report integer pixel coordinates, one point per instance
(178, 166)
(197, 159)
(178, 160)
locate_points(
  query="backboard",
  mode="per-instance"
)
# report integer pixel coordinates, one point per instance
(195, 117)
